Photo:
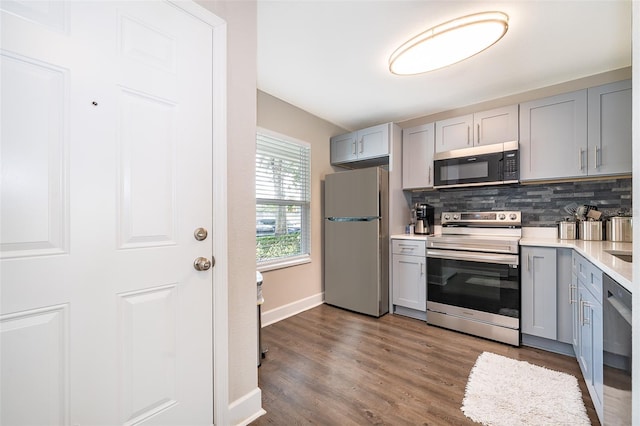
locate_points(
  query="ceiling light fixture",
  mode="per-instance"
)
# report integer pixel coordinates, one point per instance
(449, 43)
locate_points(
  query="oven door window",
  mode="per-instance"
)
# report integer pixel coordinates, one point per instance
(485, 287)
(475, 169)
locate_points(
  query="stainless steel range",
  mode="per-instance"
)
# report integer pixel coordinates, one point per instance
(473, 274)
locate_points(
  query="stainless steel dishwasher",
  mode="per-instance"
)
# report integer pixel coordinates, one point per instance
(616, 306)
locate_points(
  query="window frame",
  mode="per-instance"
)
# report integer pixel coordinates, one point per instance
(288, 261)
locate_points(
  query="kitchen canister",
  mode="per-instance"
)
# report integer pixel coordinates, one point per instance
(567, 230)
(590, 230)
(618, 228)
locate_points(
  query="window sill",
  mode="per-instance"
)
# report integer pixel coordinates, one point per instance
(283, 263)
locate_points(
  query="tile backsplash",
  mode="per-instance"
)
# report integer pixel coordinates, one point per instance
(541, 204)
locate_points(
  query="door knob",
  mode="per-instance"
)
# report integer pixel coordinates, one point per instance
(200, 234)
(202, 264)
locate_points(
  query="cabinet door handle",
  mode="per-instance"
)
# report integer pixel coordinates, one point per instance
(354, 147)
(571, 299)
(478, 131)
(580, 313)
(429, 175)
(421, 268)
(361, 145)
(585, 320)
(596, 152)
(468, 134)
(580, 158)
(528, 268)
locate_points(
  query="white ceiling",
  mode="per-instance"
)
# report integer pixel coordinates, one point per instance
(330, 57)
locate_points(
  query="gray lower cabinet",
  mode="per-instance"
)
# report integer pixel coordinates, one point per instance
(589, 325)
(546, 298)
(562, 308)
(409, 278)
(564, 296)
(539, 292)
(576, 259)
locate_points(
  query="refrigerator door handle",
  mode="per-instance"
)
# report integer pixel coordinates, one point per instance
(353, 219)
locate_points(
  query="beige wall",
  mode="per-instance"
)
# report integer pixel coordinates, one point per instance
(284, 286)
(241, 122)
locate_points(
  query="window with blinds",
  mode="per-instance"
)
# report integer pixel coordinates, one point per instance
(283, 198)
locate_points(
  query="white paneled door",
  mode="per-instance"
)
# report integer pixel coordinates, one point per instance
(106, 173)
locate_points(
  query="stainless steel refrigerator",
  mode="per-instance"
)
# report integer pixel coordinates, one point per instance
(356, 240)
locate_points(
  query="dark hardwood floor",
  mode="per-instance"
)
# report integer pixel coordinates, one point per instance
(328, 366)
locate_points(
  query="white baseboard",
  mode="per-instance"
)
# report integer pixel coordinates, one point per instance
(291, 309)
(246, 409)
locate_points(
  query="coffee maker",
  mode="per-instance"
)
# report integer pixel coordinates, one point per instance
(424, 214)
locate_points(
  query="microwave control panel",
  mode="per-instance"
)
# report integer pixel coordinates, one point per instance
(510, 165)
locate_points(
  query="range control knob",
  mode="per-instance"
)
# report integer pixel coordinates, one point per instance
(447, 217)
(502, 216)
(513, 216)
(456, 216)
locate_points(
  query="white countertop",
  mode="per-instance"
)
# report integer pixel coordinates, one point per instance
(409, 237)
(593, 251)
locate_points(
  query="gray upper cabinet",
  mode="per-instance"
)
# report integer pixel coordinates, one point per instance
(365, 144)
(577, 134)
(553, 135)
(373, 141)
(344, 148)
(496, 125)
(454, 133)
(609, 121)
(417, 156)
(481, 128)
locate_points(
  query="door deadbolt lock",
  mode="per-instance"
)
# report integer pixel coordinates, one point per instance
(200, 234)
(202, 264)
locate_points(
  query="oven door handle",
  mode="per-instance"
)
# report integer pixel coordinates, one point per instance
(506, 248)
(503, 259)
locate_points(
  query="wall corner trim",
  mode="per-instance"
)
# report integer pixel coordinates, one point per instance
(291, 309)
(247, 408)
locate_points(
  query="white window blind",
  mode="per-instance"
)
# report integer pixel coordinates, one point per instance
(283, 197)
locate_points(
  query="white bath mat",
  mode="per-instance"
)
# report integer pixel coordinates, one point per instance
(503, 391)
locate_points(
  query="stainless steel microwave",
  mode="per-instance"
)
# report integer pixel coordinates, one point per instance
(481, 165)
